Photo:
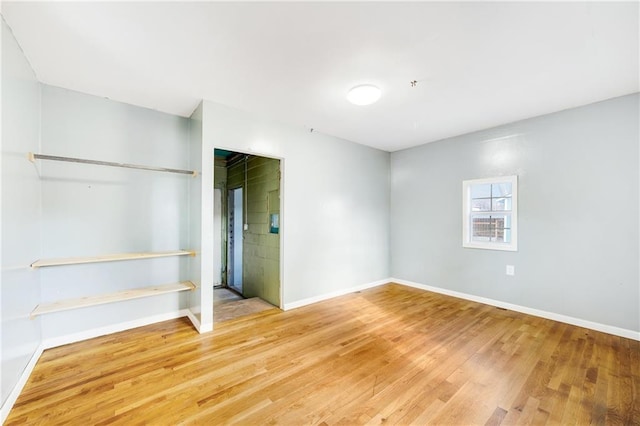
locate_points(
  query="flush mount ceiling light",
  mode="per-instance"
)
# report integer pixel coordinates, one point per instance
(365, 94)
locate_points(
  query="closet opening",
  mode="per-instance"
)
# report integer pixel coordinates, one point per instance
(247, 224)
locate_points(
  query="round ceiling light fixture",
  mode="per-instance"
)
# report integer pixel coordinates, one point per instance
(365, 94)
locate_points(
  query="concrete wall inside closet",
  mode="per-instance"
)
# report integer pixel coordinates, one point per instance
(261, 259)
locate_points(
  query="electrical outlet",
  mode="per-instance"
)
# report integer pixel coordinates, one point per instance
(511, 270)
(246, 226)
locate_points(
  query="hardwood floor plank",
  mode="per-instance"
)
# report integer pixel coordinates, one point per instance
(391, 354)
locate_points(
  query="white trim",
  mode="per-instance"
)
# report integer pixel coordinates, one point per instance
(17, 389)
(197, 324)
(322, 297)
(281, 232)
(616, 331)
(194, 319)
(114, 328)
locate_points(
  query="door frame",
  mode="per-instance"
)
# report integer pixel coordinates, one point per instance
(282, 230)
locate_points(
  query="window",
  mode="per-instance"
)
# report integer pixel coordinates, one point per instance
(490, 213)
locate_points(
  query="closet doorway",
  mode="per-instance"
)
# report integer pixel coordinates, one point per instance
(249, 238)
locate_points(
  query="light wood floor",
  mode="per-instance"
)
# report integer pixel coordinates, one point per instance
(392, 355)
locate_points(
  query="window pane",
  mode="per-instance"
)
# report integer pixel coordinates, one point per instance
(492, 228)
(502, 189)
(501, 204)
(481, 205)
(481, 191)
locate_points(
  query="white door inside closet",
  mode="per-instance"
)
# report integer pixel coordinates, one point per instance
(235, 237)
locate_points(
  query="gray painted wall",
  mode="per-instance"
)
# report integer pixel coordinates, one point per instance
(578, 213)
(20, 214)
(92, 210)
(335, 198)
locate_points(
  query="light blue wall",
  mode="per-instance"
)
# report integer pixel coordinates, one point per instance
(335, 198)
(21, 217)
(92, 210)
(578, 213)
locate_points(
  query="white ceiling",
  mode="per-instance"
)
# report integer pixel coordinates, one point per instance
(477, 64)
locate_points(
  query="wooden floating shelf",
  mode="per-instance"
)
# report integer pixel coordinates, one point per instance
(33, 157)
(109, 258)
(83, 302)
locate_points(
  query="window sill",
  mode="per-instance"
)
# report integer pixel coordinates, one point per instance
(499, 247)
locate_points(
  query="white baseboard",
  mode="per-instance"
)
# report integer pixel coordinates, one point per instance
(197, 324)
(114, 328)
(616, 331)
(15, 393)
(320, 298)
(194, 319)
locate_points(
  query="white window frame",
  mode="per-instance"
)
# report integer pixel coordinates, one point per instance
(466, 214)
